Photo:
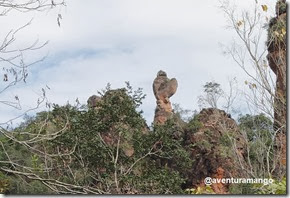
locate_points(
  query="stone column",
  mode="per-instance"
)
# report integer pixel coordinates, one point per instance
(163, 89)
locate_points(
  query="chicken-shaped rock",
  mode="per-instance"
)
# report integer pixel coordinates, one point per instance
(163, 89)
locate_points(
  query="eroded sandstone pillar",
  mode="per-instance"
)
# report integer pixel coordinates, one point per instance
(163, 89)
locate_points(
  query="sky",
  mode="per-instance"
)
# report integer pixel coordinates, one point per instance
(113, 41)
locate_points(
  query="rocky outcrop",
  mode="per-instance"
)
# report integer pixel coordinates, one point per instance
(163, 89)
(93, 100)
(116, 102)
(209, 140)
(277, 45)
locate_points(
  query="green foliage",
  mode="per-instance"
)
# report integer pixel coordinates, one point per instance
(275, 188)
(15, 184)
(4, 183)
(243, 189)
(260, 137)
(165, 171)
(194, 124)
(225, 139)
(172, 148)
(20, 185)
(200, 190)
(258, 126)
(95, 134)
(112, 143)
(156, 159)
(156, 180)
(204, 145)
(281, 7)
(277, 28)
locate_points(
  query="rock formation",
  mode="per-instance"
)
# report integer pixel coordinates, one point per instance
(92, 101)
(163, 89)
(211, 140)
(277, 45)
(277, 61)
(116, 100)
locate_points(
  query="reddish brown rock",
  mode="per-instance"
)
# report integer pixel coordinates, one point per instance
(93, 100)
(277, 46)
(163, 89)
(281, 148)
(211, 148)
(220, 188)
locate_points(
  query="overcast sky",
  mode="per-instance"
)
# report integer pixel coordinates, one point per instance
(125, 40)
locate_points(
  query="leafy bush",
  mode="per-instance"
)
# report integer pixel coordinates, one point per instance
(194, 124)
(277, 187)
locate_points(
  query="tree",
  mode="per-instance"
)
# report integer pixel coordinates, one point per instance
(250, 53)
(12, 58)
(14, 72)
(181, 113)
(212, 94)
(259, 135)
(215, 97)
(249, 50)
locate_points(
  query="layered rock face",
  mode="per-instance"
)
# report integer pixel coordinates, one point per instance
(210, 146)
(163, 89)
(277, 46)
(277, 62)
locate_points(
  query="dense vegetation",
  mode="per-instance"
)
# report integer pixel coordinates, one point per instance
(110, 149)
(96, 150)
